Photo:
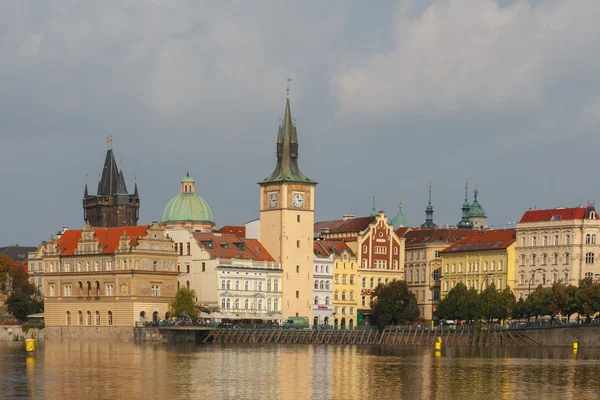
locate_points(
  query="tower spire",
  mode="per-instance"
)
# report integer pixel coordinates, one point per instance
(429, 212)
(465, 223)
(373, 208)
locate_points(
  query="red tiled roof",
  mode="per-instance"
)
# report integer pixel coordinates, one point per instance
(432, 235)
(483, 241)
(324, 248)
(556, 214)
(351, 225)
(108, 238)
(237, 230)
(229, 246)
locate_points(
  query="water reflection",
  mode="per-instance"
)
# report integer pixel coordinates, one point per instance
(116, 370)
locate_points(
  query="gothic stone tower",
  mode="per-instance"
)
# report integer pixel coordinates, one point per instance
(112, 206)
(287, 221)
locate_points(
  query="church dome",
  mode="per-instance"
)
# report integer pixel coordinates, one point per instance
(187, 206)
(475, 209)
(399, 220)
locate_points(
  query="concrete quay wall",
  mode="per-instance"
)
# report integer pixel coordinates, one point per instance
(564, 336)
(157, 335)
(89, 333)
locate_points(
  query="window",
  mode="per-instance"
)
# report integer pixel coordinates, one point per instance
(533, 259)
(589, 258)
(188, 249)
(89, 318)
(422, 295)
(255, 286)
(567, 239)
(276, 286)
(343, 295)
(246, 304)
(316, 284)
(344, 279)
(556, 240)
(237, 285)
(352, 279)
(364, 301)
(297, 294)
(567, 258)
(97, 317)
(436, 294)
(395, 251)
(203, 267)
(110, 321)
(446, 268)
(523, 259)
(588, 239)
(297, 243)
(453, 268)
(351, 295)
(269, 285)
(316, 300)
(67, 290)
(522, 242)
(372, 283)
(187, 268)
(276, 305)
(500, 265)
(336, 296)
(337, 278)
(566, 277)
(327, 300)
(155, 290)
(343, 310)
(246, 285)
(460, 267)
(326, 285)
(51, 290)
(68, 318)
(533, 241)
(364, 283)
(544, 259)
(109, 289)
(545, 240)
(297, 268)
(445, 286)
(437, 254)
(521, 279)
(297, 218)
(269, 305)
(594, 238)
(80, 318)
(364, 249)
(485, 266)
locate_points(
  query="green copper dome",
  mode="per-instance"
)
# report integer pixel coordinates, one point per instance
(399, 220)
(475, 209)
(187, 206)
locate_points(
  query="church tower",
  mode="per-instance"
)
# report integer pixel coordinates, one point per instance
(429, 213)
(287, 205)
(465, 223)
(112, 206)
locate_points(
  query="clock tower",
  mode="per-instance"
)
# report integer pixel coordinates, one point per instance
(287, 221)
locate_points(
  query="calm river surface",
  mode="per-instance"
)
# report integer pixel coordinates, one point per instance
(125, 371)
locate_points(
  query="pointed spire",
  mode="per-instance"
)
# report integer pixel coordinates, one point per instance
(373, 208)
(85, 193)
(135, 191)
(287, 150)
(429, 212)
(465, 223)
(110, 175)
(399, 220)
(429, 192)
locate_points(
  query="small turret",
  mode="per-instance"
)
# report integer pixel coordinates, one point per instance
(429, 213)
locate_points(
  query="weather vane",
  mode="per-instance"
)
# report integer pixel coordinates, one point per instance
(108, 142)
(289, 80)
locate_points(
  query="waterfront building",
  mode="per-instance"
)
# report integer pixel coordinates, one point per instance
(112, 205)
(555, 245)
(187, 209)
(480, 259)
(287, 203)
(108, 277)
(422, 263)
(345, 294)
(324, 252)
(236, 275)
(36, 269)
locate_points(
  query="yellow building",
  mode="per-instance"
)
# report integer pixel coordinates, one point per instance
(107, 278)
(479, 260)
(345, 299)
(286, 221)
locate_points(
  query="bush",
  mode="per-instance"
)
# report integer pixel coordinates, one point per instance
(27, 327)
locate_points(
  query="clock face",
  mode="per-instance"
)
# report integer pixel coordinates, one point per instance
(298, 200)
(272, 200)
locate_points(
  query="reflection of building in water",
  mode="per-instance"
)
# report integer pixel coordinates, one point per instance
(100, 369)
(296, 372)
(346, 383)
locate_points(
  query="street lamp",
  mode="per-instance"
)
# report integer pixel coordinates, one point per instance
(485, 278)
(531, 279)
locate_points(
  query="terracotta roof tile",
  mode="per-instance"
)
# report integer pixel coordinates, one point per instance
(556, 214)
(432, 235)
(324, 248)
(229, 246)
(237, 230)
(352, 225)
(484, 241)
(108, 238)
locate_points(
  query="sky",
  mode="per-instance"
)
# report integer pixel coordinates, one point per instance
(388, 97)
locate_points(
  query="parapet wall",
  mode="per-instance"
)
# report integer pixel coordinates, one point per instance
(87, 333)
(564, 336)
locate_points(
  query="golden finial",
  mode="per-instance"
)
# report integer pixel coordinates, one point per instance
(287, 91)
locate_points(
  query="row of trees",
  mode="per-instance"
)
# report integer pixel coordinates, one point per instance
(465, 304)
(22, 300)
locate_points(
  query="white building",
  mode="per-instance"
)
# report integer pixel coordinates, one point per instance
(324, 253)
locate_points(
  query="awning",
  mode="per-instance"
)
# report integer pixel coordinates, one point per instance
(39, 315)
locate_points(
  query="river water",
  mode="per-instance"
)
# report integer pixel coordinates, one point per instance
(102, 370)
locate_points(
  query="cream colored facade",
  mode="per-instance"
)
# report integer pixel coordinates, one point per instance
(422, 270)
(96, 286)
(286, 231)
(565, 248)
(345, 294)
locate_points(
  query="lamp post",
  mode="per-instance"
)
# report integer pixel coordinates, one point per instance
(531, 279)
(485, 278)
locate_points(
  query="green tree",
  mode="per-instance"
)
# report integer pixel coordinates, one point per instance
(394, 304)
(509, 302)
(572, 303)
(19, 276)
(6, 264)
(521, 309)
(185, 300)
(460, 304)
(21, 305)
(558, 299)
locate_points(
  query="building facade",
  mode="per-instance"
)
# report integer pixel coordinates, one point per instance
(345, 297)
(287, 203)
(559, 244)
(108, 277)
(112, 205)
(480, 259)
(324, 251)
(422, 264)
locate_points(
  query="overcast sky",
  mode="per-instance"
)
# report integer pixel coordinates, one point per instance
(388, 96)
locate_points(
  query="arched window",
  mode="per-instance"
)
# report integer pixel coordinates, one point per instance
(276, 305)
(269, 286)
(322, 268)
(89, 318)
(187, 284)
(110, 318)
(228, 303)
(327, 269)
(594, 238)
(344, 295)
(326, 285)
(80, 318)
(246, 304)
(316, 284)
(322, 284)
(260, 304)
(276, 285)
(555, 259)
(155, 316)
(142, 317)
(316, 268)
(269, 305)
(223, 284)
(260, 286)
(567, 258)
(89, 288)
(588, 239)
(223, 303)
(364, 263)
(533, 259)
(351, 295)
(327, 300)
(316, 300)
(254, 304)
(246, 285)
(255, 286)
(336, 295)
(97, 317)
(228, 284)
(68, 318)
(237, 285)
(236, 304)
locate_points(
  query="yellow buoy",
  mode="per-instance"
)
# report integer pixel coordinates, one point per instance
(29, 345)
(438, 345)
(438, 354)
(575, 345)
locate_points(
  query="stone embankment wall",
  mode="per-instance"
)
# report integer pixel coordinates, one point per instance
(156, 335)
(564, 336)
(11, 333)
(89, 333)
